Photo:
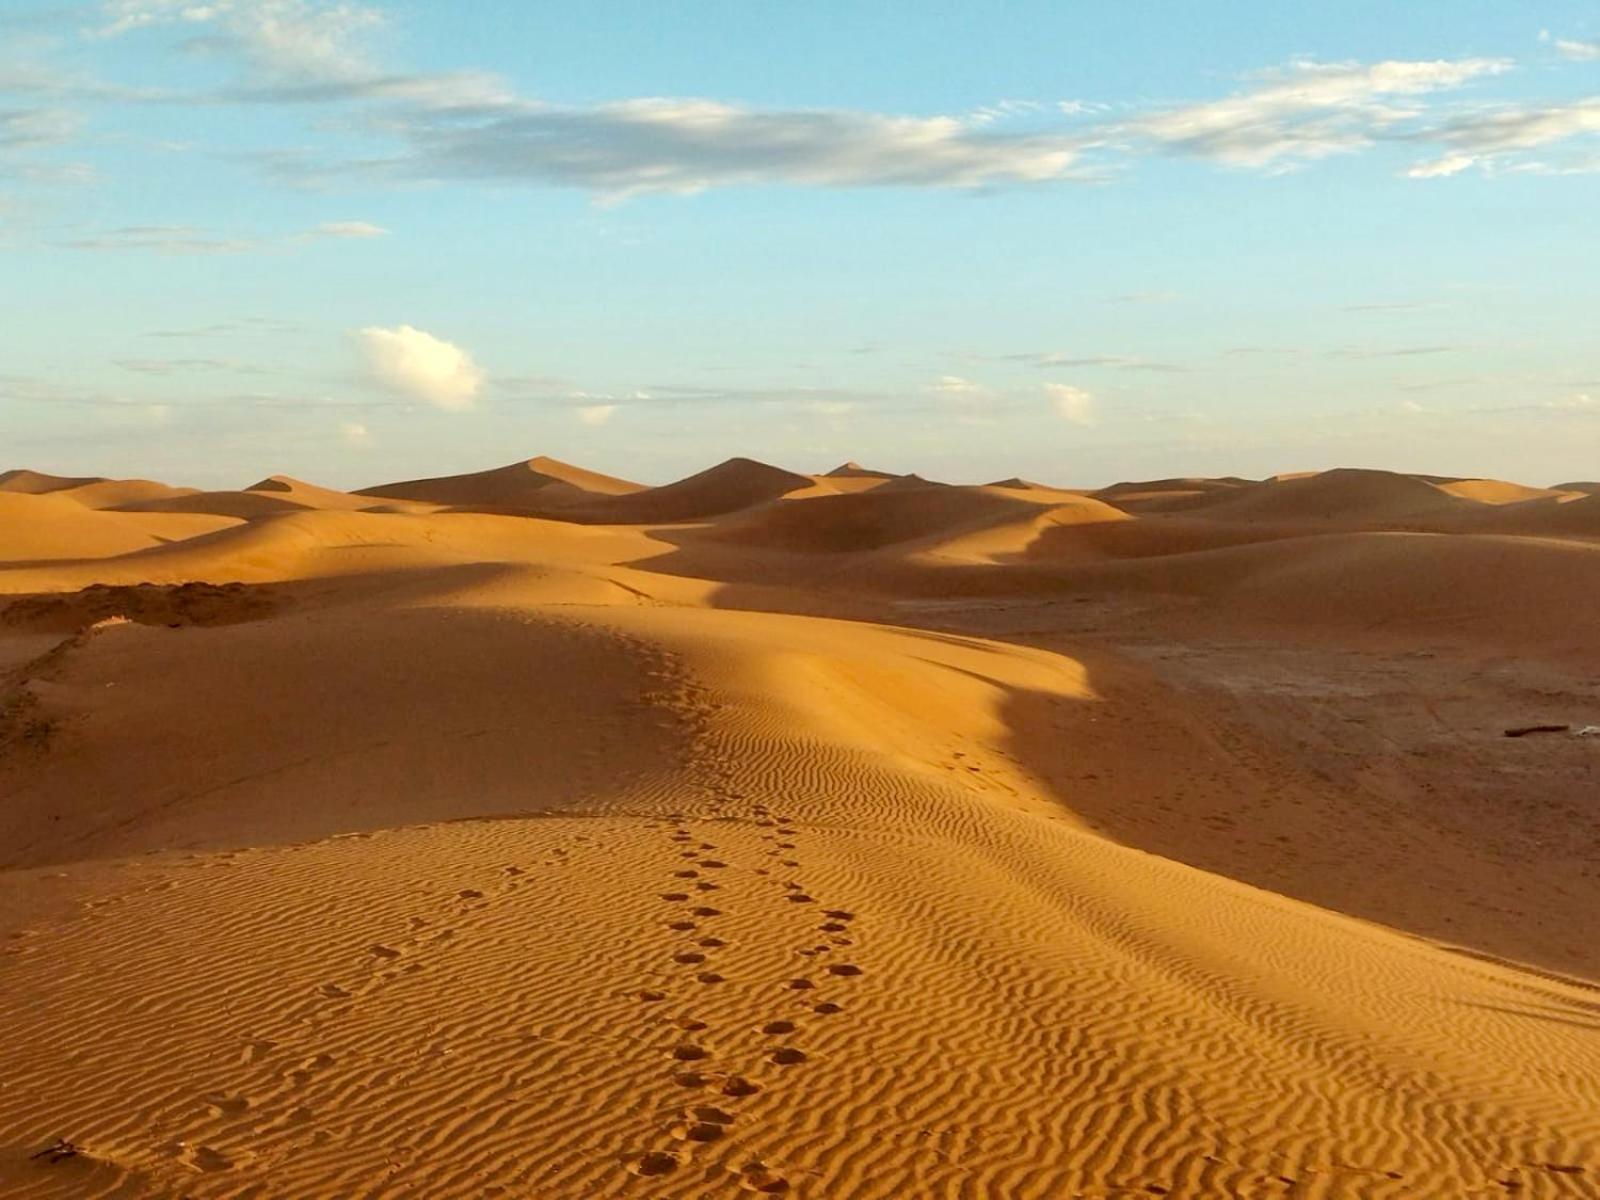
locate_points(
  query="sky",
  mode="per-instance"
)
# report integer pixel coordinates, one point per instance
(356, 241)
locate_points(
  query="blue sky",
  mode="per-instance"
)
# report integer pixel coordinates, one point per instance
(361, 241)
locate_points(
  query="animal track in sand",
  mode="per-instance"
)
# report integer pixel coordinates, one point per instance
(787, 1056)
(203, 1158)
(709, 977)
(674, 897)
(799, 898)
(689, 958)
(690, 1052)
(656, 1162)
(650, 996)
(756, 1176)
(690, 873)
(778, 1027)
(469, 894)
(827, 1007)
(711, 943)
(706, 911)
(844, 969)
(223, 1105)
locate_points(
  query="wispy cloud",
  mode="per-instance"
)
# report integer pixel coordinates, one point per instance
(192, 239)
(1309, 110)
(1057, 359)
(1487, 138)
(1572, 48)
(349, 229)
(34, 128)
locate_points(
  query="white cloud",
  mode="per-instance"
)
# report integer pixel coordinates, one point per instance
(417, 364)
(955, 385)
(596, 414)
(304, 38)
(1308, 111)
(685, 146)
(354, 433)
(1071, 403)
(1575, 50)
(1440, 168)
(1487, 137)
(33, 128)
(350, 229)
(163, 239)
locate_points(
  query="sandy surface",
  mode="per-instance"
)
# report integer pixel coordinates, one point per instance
(536, 834)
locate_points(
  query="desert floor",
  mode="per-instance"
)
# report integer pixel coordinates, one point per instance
(534, 834)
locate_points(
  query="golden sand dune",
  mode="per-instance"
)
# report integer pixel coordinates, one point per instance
(39, 526)
(1349, 496)
(536, 484)
(1102, 853)
(728, 487)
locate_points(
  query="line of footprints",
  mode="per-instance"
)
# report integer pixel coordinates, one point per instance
(692, 1059)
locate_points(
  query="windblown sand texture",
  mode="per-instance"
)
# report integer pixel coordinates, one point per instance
(533, 833)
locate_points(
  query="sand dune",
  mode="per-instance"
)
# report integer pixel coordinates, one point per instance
(41, 526)
(1349, 496)
(1160, 841)
(728, 487)
(37, 483)
(538, 483)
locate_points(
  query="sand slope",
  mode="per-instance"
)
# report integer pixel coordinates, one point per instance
(538, 483)
(443, 854)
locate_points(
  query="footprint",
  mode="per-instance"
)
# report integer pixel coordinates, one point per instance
(844, 969)
(799, 898)
(710, 977)
(704, 911)
(689, 1024)
(203, 1158)
(839, 914)
(777, 1027)
(689, 958)
(333, 991)
(690, 1052)
(786, 1056)
(381, 951)
(674, 897)
(756, 1176)
(656, 1162)
(738, 1086)
(691, 873)
(833, 927)
(682, 926)
(652, 997)
(800, 985)
(226, 1106)
(705, 885)
(827, 1007)
(712, 864)
(469, 894)
(696, 1131)
(256, 1049)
